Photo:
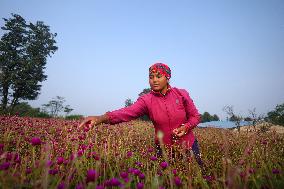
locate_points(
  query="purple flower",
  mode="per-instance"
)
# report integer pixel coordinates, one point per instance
(242, 174)
(114, 182)
(129, 154)
(164, 165)
(177, 181)
(60, 160)
(150, 150)
(153, 158)
(1, 146)
(53, 171)
(49, 163)
(28, 171)
(36, 141)
(139, 164)
(61, 185)
(123, 175)
(140, 185)
(5, 166)
(136, 171)
(175, 172)
(91, 175)
(251, 170)
(79, 186)
(80, 153)
(141, 176)
(276, 171)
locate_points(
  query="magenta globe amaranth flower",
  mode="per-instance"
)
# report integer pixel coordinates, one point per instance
(115, 182)
(91, 175)
(53, 171)
(141, 176)
(164, 165)
(5, 166)
(60, 160)
(61, 185)
(153, 158)
(140, 185)
(123, 175)
(276, 171)
(129, 154)
(177, 181)
(36, 141)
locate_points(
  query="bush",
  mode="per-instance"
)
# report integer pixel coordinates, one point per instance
(74, 117)
(276, 116)
(23, 109)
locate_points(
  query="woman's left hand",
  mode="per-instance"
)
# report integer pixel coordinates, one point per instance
(180, 131)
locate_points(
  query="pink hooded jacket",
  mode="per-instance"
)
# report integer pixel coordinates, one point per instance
(167, 112)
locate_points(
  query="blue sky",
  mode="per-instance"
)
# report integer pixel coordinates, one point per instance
(223, 52)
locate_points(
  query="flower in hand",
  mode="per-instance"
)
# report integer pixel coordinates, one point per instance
(180, 131)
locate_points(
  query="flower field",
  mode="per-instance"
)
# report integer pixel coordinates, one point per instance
(53, 153)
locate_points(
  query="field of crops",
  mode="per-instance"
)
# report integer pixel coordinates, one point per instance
(53, 153)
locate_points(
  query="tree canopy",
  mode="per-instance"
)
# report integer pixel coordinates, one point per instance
(24, 49)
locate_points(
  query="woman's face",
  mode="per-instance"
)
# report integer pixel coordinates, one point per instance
(157, 81)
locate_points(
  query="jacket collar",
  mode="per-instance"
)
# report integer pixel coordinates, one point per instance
(159, 93)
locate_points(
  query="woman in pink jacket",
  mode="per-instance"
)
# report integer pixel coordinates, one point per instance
(171, 110)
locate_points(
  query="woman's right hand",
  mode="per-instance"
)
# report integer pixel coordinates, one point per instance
(89, 122)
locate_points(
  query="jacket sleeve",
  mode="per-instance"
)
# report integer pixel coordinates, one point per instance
(134, 111)
(193, 116)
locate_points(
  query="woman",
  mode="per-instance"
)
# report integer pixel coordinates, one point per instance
(171, 110)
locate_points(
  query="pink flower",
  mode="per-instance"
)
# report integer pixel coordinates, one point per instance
(61, 185)
(53, 171)
(141, 176)
(164, 165)
(60, 160)
(91, 175)
(5, 166)
(177, 181)
(140, 185)
(36, 141)
(129, 154)
(153, 158)
(123, 175)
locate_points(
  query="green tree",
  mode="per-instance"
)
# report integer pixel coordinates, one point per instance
(215, 118)
(24, 49)
(68, 109)
(24, 109)
(276, 116)
(128, 102)
(205, 117)
(54, 106)
(233, 117)
(145, 91)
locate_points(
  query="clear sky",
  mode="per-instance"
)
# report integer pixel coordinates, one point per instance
(223, 52)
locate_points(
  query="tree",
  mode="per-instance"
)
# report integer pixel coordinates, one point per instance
(24, 50)
(128, 102)
(233, 117)
(206, 117)
(276, 116)
(216, 118)
(67, 109)
(24, 109)
(145, 91)
(54, 106)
